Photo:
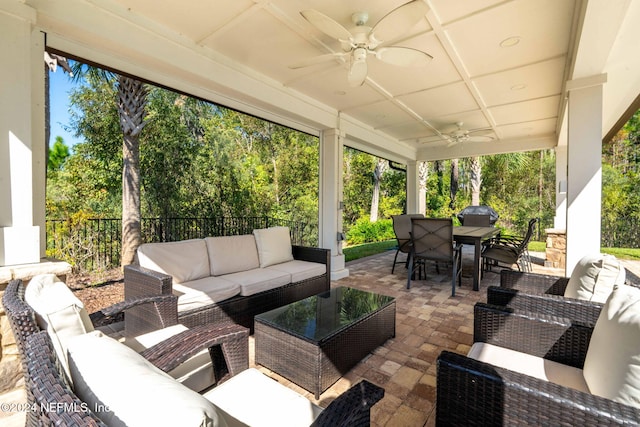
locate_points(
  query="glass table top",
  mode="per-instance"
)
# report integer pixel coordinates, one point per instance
(318, 317)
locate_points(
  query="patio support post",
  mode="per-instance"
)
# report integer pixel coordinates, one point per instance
(584, 171)
(22, 162)
(331, 204)
(414, 202)
(560, 219)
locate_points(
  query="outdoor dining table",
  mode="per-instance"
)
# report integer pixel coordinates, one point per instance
(475, 236)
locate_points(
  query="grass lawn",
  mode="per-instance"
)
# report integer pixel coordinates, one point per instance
(367, 249)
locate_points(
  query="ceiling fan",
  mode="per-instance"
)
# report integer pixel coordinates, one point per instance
(461, 135)
(361, 41)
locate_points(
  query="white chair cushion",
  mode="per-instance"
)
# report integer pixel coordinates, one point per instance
(524, 363)
(253, 399)
(230, 254)
(300, 270)
(204, 292)
(130, 391)
(612, 364)
(184, 261)
(258, 280)
(274, 245)
(58, 311)
(593, 278)
(195, 373)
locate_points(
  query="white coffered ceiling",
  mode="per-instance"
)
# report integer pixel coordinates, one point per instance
(499, 65)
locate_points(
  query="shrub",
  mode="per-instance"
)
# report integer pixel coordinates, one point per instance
(364, 231)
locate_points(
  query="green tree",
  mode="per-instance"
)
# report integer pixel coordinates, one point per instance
(57, 155)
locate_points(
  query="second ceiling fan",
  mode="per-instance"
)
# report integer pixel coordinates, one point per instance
(363, 41)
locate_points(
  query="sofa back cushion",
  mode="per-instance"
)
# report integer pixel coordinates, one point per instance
(125, 389)
(184, 260)
(231, 254)
(594, 276)
(274, 245)
(612, 364)
(58, 311)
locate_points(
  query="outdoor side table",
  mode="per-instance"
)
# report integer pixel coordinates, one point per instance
(315, 341)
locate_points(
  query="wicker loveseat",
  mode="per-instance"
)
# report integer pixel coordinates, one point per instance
(104, 382)
(228, 278)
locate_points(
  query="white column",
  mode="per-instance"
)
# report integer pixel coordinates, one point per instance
(560, 219)
(584, 171)
(331, 204)
(413, 188)
(21, 137)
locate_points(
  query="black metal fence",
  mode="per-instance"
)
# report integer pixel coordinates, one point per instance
(95, 243)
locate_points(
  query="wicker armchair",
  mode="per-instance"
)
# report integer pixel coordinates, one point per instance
(540, 293)
(471, 392)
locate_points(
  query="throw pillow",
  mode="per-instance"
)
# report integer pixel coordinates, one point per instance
(274, 245)
(58, 311)
(612, 364)
(594, 276)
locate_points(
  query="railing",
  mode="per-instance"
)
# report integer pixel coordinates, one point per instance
(95, 243)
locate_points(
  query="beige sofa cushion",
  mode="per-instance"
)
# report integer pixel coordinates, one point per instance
(130, 391)
(274, 245)
(58, 311)
(537, 367)
(612, 364)
(593, 278)
(258, 280)
(204, 292)
(195, 373)
(253, 399)
(184, 261)
(230, 254)
(300, 270)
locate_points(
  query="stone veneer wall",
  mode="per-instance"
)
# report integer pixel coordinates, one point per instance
(556, 251)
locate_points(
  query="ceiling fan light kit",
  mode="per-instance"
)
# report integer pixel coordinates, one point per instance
(362, 40)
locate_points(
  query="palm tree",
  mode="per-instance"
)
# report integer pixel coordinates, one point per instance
(132, 102)
(454, 185)
(378, 171)
(476, 180)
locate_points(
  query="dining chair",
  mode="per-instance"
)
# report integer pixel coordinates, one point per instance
(508, 250)
(432, 240)
(402, 230)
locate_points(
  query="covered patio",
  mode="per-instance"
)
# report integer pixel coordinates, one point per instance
(525, 75)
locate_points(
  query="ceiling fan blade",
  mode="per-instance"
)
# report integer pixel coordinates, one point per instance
(399, 20)
(452, 142)
(326, 24)
(357, 73)
(317, 60)
(403, 56)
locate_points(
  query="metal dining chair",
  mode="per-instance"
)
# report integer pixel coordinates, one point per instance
(402, 230)
(432, 240)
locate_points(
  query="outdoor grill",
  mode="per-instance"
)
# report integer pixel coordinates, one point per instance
(479, 210)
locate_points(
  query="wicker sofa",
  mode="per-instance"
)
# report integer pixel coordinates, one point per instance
(228, 278)
(100, 381)
(529, 368)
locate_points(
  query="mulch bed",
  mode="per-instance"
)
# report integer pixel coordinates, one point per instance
(98, 291)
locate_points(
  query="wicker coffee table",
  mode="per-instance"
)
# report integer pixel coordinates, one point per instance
(315, 341)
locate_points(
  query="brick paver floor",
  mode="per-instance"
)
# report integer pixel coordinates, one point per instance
(428, 320)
